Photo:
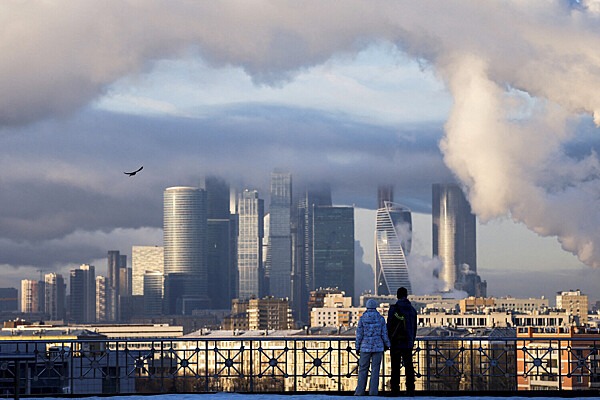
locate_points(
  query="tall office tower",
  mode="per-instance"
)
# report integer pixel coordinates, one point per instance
(31, 299)
(125, 277)
(333, 248)
(454, 238)
(144, 259)
(302, 226)
(153, 293)
(55, 293)
(103, 300)
(82, 294)
(266, 255)
(280, 235)
(222, 275)
(384, 193)
(9, 299)
(249, 244)
(113, 286)
(185, 241)
(393, 233)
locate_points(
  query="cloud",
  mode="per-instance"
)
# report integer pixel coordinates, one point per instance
(517, 92)
(64, 192)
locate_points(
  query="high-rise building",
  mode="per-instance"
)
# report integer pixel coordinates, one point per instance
(249, 244)
(333, 248)
(144, 259)
(280, 236)
(31, 296)
(303, 281)
(55, 293)
(118, 284)
(153, 293)
(454, 239)
(9, 299)
(384, 193)
(186, 285)
(393, 232)
(221, 267)
(82, 294)
(103, 299)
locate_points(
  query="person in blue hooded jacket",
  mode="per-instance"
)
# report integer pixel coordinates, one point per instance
(371, 341)
(401, 348)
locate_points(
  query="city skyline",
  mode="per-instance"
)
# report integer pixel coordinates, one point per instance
(405, 93)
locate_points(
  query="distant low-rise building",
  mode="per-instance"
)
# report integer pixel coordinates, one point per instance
(575, 304)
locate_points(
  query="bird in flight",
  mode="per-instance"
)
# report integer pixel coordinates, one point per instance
(134, 172)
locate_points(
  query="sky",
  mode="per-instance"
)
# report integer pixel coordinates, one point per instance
(355, 94)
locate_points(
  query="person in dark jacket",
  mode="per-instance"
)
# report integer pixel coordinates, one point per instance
(371, 341)
(401, 349)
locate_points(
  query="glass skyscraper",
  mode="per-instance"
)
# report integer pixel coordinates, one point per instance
(82, 294)
(454, 235)
(55, 292)
(145, 259)
(333, 248)
(280, 237)
(249, 244)
(393, 234)
(222, 275)
(186, 286)
(302, 242)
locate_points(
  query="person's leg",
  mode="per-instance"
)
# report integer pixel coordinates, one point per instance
(375, 366)
(395, 377)
(409, 370)
(363, 370)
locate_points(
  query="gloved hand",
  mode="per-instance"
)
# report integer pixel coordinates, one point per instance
(358, 352)
(386, 348)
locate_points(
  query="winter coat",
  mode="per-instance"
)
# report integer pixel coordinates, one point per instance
(404, 306)
(371, 333)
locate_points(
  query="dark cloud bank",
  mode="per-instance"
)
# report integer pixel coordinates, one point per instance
(519, 93)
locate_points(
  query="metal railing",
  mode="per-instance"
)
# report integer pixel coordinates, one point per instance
(288, 364)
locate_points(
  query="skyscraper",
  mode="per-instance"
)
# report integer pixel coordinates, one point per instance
(55, 292)
(186, 286)
(31, 296)
(144, 259)
(221, 268)
(280, 238)
(82, 294)
(384, 193)
(113, 285)
(454, 238)
(153, 293)
(393, 234)
(103, 299)
(333, 248)
(302, 242)
(249, 244)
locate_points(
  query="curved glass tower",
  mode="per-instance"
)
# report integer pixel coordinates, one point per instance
(393, 234)
(184, 233)
(454, 236)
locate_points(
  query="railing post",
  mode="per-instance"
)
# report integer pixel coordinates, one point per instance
(560, 364)
(17, 379)
(428, 363)
(472, 363)
(295, 366)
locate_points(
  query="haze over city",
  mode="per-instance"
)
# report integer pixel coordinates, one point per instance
(355, 93)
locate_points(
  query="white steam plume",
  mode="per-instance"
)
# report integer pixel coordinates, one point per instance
(519, 72)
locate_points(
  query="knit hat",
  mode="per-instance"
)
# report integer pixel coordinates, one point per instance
(372, 303)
